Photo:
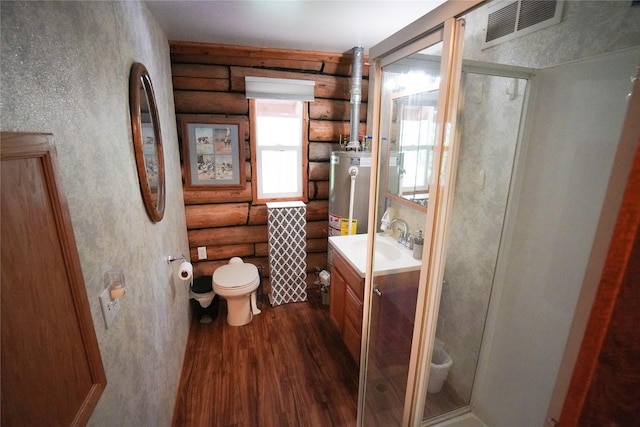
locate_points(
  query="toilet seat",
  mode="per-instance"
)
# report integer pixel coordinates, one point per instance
(235, 277)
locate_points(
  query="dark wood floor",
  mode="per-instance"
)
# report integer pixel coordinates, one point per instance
(385, 394)
(288, 367)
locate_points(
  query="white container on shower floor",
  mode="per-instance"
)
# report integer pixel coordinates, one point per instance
(440, 364)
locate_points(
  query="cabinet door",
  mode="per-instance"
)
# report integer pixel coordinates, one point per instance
(338, 289)
(353, 309)
(352, 328)
(352, 339)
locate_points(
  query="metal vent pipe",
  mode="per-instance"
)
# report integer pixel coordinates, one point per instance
(356, 97)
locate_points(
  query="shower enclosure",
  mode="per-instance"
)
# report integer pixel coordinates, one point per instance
(488, 134)
(513, 211)
(489, 126)
(416, 92)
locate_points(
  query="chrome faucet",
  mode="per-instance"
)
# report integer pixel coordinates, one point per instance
(404, 232)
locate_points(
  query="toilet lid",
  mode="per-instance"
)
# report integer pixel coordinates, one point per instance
(235, 275)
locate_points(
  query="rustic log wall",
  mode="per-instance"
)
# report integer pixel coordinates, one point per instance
(208, 79)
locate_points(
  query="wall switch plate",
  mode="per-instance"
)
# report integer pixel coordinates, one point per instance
(202, 252)
(110, 307)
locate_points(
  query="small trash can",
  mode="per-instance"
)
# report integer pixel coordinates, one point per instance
(440, 364)
(204, 301)
(325, 286)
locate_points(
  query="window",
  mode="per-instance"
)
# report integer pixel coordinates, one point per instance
(279, 150)
(417, 136)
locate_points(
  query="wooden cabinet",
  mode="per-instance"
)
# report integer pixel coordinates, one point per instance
(347, 293)
(346, 307)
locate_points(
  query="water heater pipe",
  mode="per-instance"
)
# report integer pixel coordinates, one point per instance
(356, 97)
(353, 172)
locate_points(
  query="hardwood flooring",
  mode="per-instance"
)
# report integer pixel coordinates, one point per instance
(442, 402)
(288, 367)
(385, 394)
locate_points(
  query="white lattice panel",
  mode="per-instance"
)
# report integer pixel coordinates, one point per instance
(287, 252)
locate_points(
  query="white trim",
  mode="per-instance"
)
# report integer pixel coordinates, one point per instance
(270, 88)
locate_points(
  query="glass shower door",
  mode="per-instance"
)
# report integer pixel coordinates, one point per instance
(489, 127)
(412, 157)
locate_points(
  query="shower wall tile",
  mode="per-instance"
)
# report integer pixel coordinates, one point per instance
(490, 130)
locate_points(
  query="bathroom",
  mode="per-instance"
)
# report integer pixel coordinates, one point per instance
(142, 353)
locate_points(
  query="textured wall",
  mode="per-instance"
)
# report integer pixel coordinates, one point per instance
(588, 28)
(65, 70)
(489, 128)
(553, 250)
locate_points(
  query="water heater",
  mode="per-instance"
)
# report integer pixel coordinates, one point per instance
(349, 178)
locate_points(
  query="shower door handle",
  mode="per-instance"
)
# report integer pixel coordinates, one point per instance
(377, 291)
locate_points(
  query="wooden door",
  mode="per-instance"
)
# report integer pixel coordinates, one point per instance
(51, 370)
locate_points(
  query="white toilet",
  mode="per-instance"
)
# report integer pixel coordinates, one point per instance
(237, 283)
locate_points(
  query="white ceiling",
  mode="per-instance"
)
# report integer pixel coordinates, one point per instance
(329, 26)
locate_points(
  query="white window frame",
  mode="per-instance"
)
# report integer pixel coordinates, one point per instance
(262, 149)
(417, 138)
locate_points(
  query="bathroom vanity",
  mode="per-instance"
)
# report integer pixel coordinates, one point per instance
(347, 294)
(396, 273)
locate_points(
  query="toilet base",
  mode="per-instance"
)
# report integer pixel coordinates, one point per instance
(240, 310)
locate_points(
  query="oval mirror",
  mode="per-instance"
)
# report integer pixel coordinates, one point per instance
(147, 141)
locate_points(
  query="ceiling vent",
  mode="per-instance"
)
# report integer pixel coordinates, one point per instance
(507, 20)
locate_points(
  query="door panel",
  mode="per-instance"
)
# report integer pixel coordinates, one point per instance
(51, 369)
(412, 126)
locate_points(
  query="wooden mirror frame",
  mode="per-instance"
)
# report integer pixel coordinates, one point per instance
(152, 195)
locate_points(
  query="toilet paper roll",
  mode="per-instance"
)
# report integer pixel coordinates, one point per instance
(185, 272)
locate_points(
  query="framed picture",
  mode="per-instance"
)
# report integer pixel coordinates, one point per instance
(213, 152)
(150, 152)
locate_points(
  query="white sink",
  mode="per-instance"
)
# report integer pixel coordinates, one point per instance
(384, 251)
(390, 257)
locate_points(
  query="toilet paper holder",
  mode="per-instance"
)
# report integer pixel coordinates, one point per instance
(170, 258)
(185, 269)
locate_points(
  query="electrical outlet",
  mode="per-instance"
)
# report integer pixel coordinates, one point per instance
(110, 307)
(202, 252)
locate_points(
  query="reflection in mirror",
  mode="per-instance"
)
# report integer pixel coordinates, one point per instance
(408, 127)
(412, 136)
(147, 141)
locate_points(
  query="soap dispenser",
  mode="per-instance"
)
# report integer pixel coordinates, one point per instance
(385, 223)
(418, 245)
